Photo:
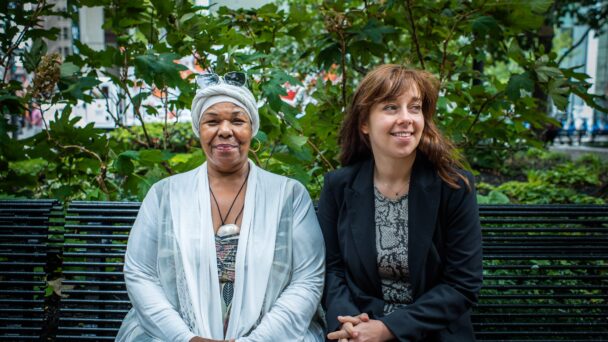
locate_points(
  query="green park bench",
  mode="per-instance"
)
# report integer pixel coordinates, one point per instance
(545, 271)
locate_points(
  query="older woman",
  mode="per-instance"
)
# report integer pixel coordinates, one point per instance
(400, 220)
(226, 251)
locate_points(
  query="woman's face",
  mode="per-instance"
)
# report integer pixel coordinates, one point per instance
(394, 127)
(225, 135)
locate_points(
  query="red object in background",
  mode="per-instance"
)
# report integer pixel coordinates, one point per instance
(291, 94)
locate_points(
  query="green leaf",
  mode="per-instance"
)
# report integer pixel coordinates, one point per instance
(295, 141)
(262, 137)
(69, 69)
(163, 7)
(544, 73)
(372, 31)
(274, 88)
(517, 83)
(540, 6)
(328, 55)
(159, 69)
(76, 87)
(124, 165)
(497, 197)
(484, 25)
(130, 154)
(154, 156)
(65, 192)
(141, 96)
(31, 167)
(183, 162)
(31, 58)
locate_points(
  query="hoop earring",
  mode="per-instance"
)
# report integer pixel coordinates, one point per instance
(259, 145)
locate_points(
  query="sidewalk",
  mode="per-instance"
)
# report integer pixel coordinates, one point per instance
(575, 151)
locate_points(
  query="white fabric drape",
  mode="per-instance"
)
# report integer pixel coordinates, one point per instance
(171, 266)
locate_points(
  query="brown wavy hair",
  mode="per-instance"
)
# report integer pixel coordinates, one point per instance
(388, 82)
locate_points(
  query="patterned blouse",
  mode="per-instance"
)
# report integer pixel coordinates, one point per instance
(392, 247)
(226, 260)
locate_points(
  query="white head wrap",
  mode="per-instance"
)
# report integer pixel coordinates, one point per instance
(222, 92)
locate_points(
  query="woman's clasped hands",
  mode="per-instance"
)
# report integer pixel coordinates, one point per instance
(360, 328)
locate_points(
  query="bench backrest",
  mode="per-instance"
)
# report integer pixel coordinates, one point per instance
(24, 232)
(545, 272)
(95, 299)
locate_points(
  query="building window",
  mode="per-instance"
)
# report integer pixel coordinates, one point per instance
(66, 34)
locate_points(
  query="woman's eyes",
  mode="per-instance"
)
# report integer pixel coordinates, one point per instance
(416, 108)
(412, 108)
(237, 122)
(390, 107)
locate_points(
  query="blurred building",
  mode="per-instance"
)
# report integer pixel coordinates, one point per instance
(63, 44)
(591, 58)
(89, 31)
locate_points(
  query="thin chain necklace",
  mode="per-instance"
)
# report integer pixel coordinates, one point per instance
(386, 187)
(231, 228)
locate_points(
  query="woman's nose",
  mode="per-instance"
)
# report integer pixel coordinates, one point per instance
(405, 116)
(224, 129)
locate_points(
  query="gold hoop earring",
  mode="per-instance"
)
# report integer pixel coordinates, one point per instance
(259, 145)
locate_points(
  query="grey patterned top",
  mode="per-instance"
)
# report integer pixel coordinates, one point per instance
(391, 246)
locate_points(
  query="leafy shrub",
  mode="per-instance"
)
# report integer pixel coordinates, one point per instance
(536, 192)
(544, 177)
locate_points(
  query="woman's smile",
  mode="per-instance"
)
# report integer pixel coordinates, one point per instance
(403, 136)
(225, 147)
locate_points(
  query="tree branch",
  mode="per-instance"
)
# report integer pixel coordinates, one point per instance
(166, 107)
(408, 6)
(481, 109)
(343, 65)
(314, 147)
(573, 47)
(270, 155)
(123, 84)
(103, 168)
(39, 6)
(361, 70)
(445, 52)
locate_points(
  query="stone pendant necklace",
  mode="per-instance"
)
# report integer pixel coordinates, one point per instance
(230, 228)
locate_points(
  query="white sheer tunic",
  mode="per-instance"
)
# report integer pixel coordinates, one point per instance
(171, 265)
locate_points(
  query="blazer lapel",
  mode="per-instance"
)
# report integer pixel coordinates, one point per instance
(424, 198)
(361, 210)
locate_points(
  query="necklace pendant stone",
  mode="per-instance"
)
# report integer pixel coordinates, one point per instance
(228, 229)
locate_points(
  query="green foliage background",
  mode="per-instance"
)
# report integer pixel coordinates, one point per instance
(496, 75)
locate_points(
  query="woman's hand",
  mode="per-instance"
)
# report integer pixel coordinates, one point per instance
(371, 331)
(347, 329)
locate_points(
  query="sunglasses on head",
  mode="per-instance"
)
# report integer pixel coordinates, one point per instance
(235, 78)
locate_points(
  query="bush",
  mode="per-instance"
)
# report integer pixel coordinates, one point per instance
(548, 177)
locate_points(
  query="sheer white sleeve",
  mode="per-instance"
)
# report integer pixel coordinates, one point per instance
(156, 315)
(291, 314)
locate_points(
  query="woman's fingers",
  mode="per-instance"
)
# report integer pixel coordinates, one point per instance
(349, 328)
(354, 320)
(349, 319)
(346, 332)
(338, 335)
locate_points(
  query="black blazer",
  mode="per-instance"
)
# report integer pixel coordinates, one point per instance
(444, 252)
